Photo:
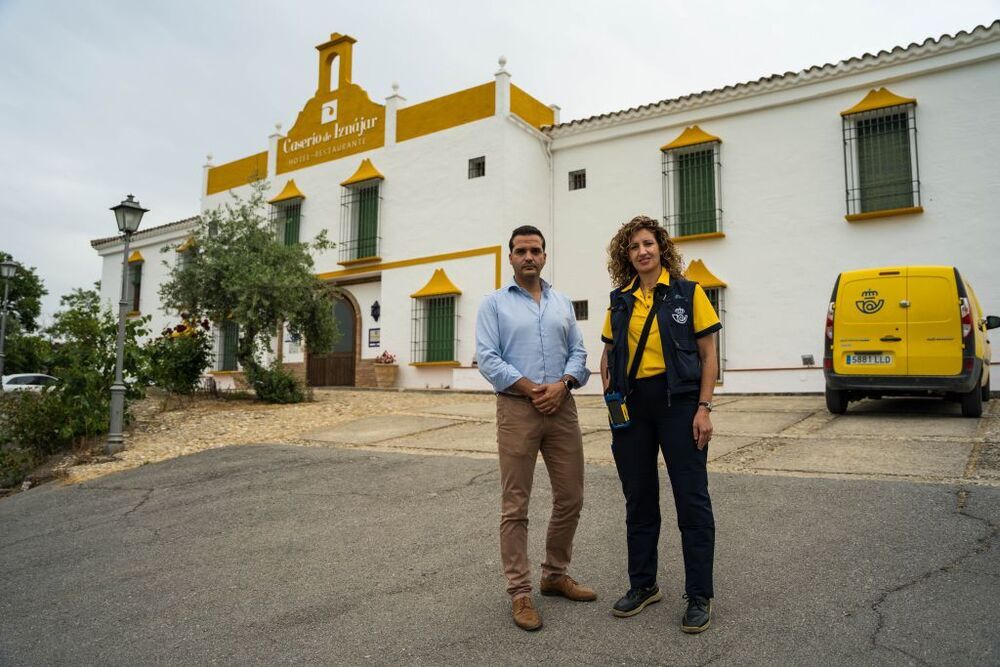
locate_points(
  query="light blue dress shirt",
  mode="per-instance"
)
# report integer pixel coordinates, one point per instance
(516, 337)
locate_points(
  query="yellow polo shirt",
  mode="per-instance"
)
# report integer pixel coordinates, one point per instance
(652, 362)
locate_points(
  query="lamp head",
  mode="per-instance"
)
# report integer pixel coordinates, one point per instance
(8, 269)
(128, 214)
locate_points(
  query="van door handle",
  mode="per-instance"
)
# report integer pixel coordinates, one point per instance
(904, 304)
(890, 339)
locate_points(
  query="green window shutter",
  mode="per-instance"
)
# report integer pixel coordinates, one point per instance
(884, 168)
(230, 341)
(135, 285)
(713, 298)
(367, 203)
(440, 331)
(696, 210)
(291, 224)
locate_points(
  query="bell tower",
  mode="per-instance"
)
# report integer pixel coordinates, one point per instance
(337, 52)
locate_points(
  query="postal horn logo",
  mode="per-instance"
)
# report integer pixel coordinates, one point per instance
(679, 315)
(869, 304)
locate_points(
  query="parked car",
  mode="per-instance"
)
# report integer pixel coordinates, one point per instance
(906, 330)
(28, 381)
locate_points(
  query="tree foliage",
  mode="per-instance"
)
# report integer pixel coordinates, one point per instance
(238, 270)
(25, 349)
(26, 292)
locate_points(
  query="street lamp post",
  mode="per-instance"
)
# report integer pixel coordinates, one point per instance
(8, 270)
(128, 214)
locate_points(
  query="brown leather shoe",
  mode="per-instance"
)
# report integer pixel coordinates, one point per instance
(525, 615)
(565, 586)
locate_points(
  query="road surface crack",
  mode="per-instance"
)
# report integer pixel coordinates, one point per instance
(983, 544)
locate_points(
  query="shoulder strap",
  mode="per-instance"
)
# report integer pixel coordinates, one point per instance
(641, 345)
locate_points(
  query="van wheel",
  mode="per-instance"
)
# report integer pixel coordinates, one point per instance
(836, 401)
(986, 390)
(972, 403)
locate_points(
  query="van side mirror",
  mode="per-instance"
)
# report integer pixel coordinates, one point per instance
(992, 322)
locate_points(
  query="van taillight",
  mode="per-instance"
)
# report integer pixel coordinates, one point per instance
(829, 322)
(966, 312)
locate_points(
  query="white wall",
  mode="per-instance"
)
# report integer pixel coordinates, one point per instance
(154, 273)
(783, 201)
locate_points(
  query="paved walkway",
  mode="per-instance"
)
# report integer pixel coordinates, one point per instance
(916, 439)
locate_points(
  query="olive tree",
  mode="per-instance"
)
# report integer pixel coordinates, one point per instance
(237, 269)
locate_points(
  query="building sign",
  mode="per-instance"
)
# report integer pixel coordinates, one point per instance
(374, 337)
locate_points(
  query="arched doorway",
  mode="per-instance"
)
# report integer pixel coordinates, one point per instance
(336, 368)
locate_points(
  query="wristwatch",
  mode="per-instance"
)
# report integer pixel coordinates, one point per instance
(705, 404)
(570, 385)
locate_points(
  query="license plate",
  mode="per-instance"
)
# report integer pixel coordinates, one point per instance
(869, 360)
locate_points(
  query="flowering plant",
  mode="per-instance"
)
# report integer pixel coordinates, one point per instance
(386, 357)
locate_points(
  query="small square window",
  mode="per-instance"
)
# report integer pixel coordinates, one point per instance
(578, 179)
(580, 309)
(477, 167)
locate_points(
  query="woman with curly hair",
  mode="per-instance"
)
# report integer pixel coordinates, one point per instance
(659, 355)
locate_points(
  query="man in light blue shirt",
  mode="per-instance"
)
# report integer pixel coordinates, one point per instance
(529, 347)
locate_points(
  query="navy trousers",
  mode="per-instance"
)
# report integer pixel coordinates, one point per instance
(657, 428)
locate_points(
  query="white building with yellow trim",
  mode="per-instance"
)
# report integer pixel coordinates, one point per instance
(770, 188)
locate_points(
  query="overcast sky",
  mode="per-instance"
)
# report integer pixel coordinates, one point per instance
(101, 99)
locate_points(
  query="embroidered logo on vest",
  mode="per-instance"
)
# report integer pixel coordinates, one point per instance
(679, 315)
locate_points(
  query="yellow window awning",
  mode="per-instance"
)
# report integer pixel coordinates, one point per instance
(136, 257)
(187, 245)
(365, 172)
(290, 191)
(878, 99)
(699, 273)
(691, 136)
(439, 285)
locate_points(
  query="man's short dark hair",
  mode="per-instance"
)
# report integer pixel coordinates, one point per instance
(525, 230)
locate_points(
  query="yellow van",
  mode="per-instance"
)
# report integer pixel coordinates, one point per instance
(906, 330)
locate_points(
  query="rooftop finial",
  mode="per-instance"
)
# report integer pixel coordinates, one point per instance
(277, 128)
(395, 87)
(502, 61)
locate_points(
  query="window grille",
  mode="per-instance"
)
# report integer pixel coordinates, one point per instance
(184, 258)
(880, 159)
(359, 220)
(580, 310)
(134, 285)
(433, 331)
(714, 295)
(477, 167)
(229, 337)
(578, 179)
(285, 220)
(692, 189)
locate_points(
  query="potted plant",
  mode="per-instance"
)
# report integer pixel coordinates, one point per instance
(386, 370)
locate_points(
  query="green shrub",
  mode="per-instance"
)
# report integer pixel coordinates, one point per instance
(179, 356)
(275, 384)
(40, 422)
(15, 464)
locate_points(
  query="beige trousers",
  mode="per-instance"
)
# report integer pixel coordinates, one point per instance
(523, 432)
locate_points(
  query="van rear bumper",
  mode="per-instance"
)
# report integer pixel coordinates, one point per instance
(887, 384)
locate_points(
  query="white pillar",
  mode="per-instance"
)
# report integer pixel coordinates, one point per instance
(392, 104)
(502, 88)
(204, 179)
(272, 153)
(555, 113)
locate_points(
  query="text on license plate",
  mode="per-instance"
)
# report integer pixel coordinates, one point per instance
(869, 359)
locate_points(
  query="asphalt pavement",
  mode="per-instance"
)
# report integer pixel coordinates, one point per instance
(280, 554)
